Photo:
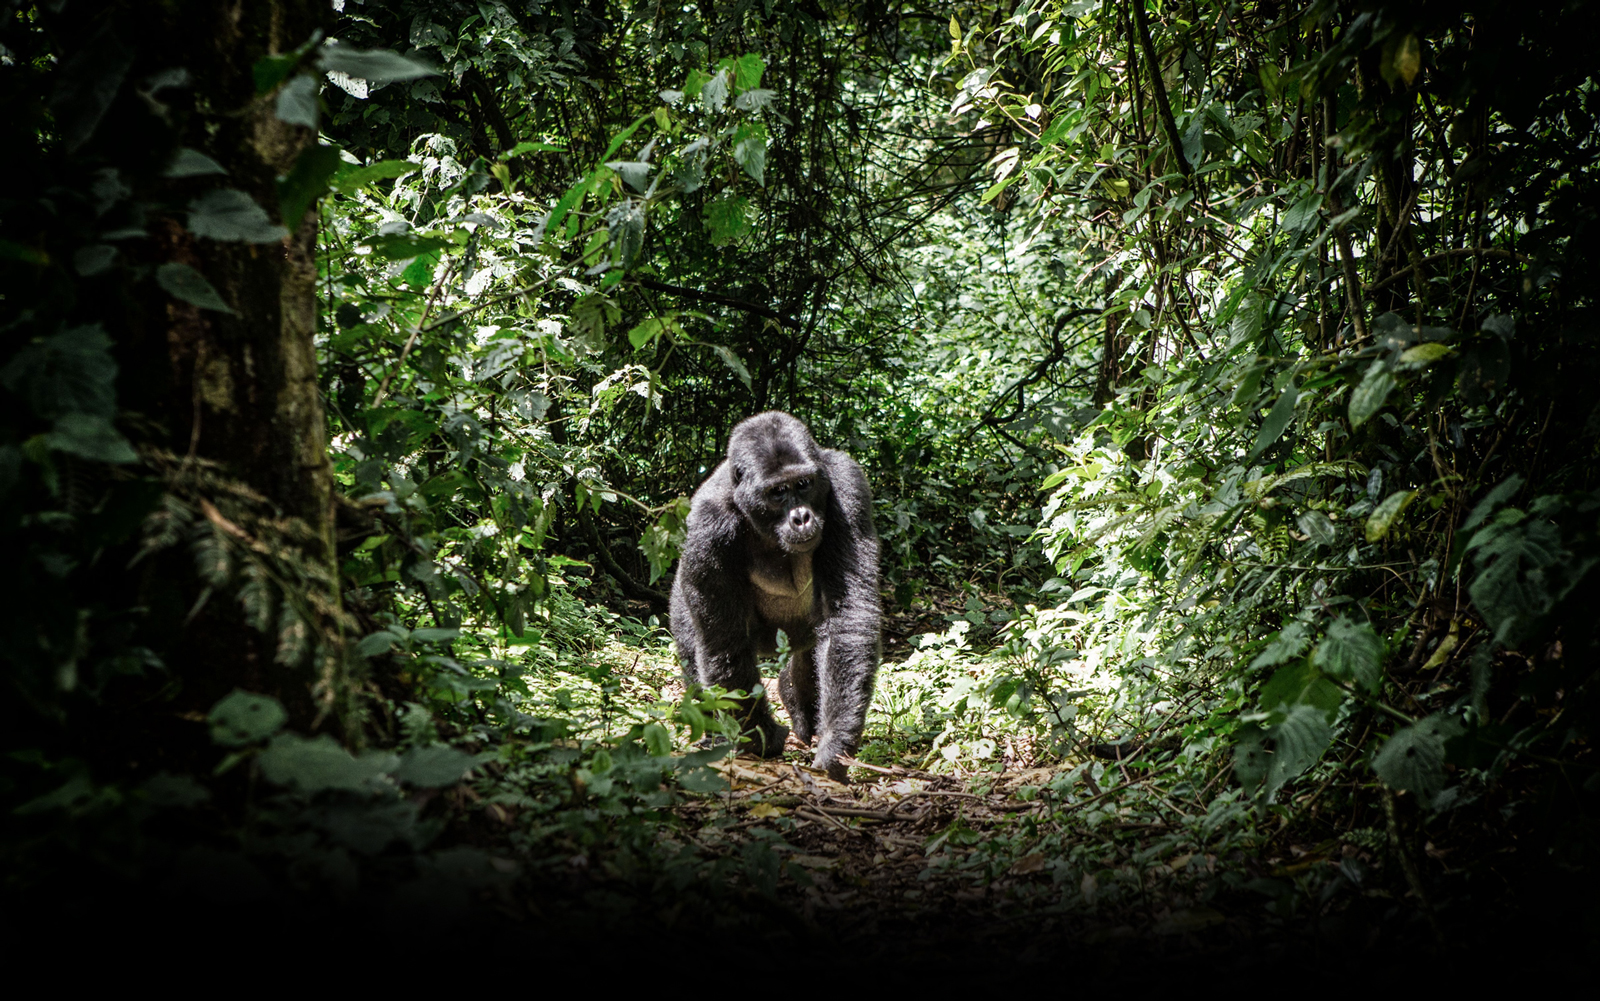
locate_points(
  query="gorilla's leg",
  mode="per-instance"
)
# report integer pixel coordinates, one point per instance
(798, 686)
(736, 669)
(848, 663)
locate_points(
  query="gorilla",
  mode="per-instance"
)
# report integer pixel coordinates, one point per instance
(780, 536)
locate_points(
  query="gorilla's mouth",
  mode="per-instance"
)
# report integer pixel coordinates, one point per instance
(800, 540)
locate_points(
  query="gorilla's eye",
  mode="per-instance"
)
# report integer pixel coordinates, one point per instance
(802, 484)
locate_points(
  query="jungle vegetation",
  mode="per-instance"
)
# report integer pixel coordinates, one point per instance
(1224, 372)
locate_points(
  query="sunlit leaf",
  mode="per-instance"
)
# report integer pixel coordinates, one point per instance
(1383, 516)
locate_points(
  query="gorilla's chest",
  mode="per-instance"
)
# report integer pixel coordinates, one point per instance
(784, 590)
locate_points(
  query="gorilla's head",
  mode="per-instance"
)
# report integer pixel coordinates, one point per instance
(778, 483)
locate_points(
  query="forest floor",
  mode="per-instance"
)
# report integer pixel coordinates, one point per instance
(1150, 866)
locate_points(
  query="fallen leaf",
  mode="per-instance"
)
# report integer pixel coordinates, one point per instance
(814, 861)
(1027, 864)
(762, 811)
(1181, 862)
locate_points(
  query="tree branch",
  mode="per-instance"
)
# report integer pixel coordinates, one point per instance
(1160, 88)
(722, 300)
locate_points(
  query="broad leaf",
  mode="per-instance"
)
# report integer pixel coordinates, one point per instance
(1318, 528)
(297, 101)
(1351, 652)
(1278, 419)
(183, 282)
(306, 182)
(431, 767)
(244, 718)
(352, 176)
(376, 65)
(1298, 741)
(90, 436)
(318, 763)
(69, 372)
(229, 215)
(1369, 395)
(1413, 759)
(1503, 492)
(1383, 516)
(192, 163)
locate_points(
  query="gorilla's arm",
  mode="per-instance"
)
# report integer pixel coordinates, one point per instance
(711, 614)
(848, 638)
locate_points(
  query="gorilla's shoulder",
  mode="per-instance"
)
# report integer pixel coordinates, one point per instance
(844, 471)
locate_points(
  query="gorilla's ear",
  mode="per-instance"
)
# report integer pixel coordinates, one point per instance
(738, 473)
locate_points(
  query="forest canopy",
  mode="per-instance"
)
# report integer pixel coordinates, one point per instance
(1223, 374)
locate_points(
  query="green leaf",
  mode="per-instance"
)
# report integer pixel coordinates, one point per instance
(531, 147)
(747, 72)
(693, 83)
(1318, 528)
(1278, 418)
(419, 273)
(657, 739)
(1193, 140)
(183, 282)
(297, 101)
(90, 436)
(378, 643)
(1383, 516)
(997, 187)
(319, 763)
(1298, 741)
(646, 332)
(1251, 759)
(306, 182)
(1506, 489)
(1425, 354)
(1370, 394)
(733, 362)
(232, 216)
(750, 150)
(1413, 759)
(728, 219)
(1351, 652)
(401, 246)
(65, 373)
(435, 766)
(714, 94)
(243, 718)
(1302, 215)
(1524, 569)
(192, 163)
(1301, 684)
(94, 259)
(374, 65)
(351, 177)
(1059, 125)
(269, 71)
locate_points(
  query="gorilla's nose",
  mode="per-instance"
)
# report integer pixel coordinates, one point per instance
(800, 518)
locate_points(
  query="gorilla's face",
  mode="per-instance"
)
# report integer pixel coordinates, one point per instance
(779, 486)
(794, 505)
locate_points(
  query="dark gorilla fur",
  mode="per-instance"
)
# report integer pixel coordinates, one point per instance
(780, 537)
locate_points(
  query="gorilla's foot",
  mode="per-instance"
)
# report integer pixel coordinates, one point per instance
(827, 759)
(767, 741)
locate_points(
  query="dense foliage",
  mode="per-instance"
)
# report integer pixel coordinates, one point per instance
(1221, 370)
